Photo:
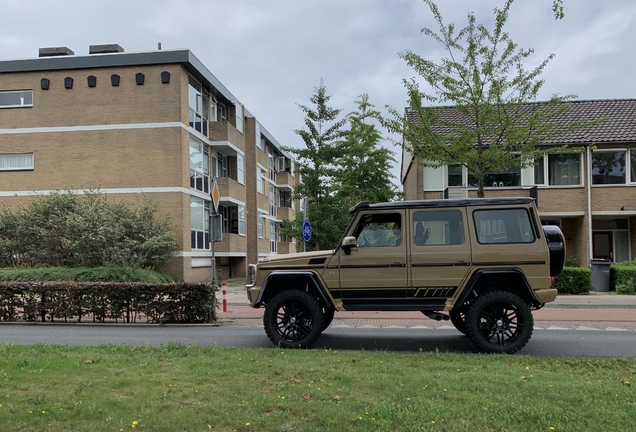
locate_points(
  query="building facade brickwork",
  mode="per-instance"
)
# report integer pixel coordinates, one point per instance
(152, 126)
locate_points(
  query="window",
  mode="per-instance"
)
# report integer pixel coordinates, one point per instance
(273, 208)
(240, 167)
(199, 223)
(239, 116)
(261, 225)
(455, 175)
(632, 164)
(563, 169)
(434, 178)
(273, 235)
(263, 145)
(509, 176)
(199, 166)
(220, 166)
(197, 118)
(241, 219)
(16, 162)
(272, 168)
(14, 99)
(225, 214)
(379, 230)
(217, 110)
(260, 183)
(503, 226)
(438, 228)
(608, 167)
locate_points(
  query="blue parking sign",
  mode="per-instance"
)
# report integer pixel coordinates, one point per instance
(306, 231)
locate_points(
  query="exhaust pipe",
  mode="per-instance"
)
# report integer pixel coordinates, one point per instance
(436, 316)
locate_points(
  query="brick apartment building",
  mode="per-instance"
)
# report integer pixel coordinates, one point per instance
(591, 195)
(155, 125)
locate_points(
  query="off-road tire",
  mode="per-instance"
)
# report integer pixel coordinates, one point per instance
(458, 318)
(329, 314)
(499, 322)
(293, 319)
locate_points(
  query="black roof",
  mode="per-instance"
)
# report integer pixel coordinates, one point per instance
(437, 203)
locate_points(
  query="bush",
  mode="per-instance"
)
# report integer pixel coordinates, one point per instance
(159, 303)
(622, 274)
(84, 274)
(574, 280)
(67, 229)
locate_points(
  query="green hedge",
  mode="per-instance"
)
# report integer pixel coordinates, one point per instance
(623, 277)
(84, 274)
(128, 302)
(574, 280)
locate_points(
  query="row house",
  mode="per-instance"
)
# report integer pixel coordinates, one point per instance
(590, 194)
(151, 125)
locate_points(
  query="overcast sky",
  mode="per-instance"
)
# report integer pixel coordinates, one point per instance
(271, 54)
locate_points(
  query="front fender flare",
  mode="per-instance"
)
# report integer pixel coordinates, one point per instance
(315, 279)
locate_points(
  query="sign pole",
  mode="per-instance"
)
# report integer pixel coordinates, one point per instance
(215, 197)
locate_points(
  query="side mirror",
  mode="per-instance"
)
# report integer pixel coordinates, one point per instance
(347, 243)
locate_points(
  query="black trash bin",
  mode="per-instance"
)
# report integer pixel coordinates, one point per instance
(600, 274)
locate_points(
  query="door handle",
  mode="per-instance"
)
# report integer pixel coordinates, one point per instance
(398, 264)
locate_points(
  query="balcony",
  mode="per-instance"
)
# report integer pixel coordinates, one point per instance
(286, 213)
(222, 134)
(285, 181)
(228, 187)
(231, 243)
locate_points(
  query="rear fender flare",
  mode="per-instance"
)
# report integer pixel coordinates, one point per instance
(525, 291)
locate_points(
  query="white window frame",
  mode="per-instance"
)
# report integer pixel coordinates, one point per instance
(22, 104)
(261, 224)
(546, 173)
(240, 168)
(238, 108)
(260, 181)
(241, 220)
(17, 162)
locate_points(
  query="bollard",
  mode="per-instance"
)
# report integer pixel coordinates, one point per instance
(224, 299)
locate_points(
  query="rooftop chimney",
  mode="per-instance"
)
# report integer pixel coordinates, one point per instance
(104, 49)
(55, 51)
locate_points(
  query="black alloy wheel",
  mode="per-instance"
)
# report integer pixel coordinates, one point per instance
(293, 319)
(499, 322)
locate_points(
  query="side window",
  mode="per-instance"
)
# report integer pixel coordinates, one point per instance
(503, 226)
(438, 228)
(379, 230)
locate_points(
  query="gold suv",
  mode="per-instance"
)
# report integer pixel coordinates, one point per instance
(485, 264)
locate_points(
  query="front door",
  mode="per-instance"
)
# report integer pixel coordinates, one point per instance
(602, 245)
(375, 271)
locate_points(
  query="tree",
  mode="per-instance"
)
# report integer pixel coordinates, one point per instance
(317, 170)
(365, 166)
(67, 229)
(492, 124)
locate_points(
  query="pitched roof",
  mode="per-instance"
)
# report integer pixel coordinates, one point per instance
(620, 126)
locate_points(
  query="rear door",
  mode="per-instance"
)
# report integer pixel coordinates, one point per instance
(440, 254)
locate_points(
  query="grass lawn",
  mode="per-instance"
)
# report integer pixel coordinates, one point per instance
(180, 388)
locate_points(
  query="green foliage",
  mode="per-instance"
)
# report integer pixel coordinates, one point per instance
(67, 229)
(574, 280)
(622, 277)
(338, 168)
(162, 303)
(572, 261)
(485, 81)
(84, 274)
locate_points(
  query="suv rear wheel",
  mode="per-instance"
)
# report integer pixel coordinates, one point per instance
(499, 322)
(293, 319)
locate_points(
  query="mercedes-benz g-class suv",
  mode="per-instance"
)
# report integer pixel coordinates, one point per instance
(485, 264)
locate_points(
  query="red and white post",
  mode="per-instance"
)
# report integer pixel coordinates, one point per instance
(224, 297)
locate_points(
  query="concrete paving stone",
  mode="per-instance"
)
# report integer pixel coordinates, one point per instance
(586, 328)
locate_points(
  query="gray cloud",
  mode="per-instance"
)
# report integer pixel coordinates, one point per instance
(271, 54)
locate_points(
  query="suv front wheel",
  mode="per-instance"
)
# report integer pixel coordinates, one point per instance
(293, 319)
(499, 322)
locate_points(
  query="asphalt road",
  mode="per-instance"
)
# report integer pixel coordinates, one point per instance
(544, 343)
